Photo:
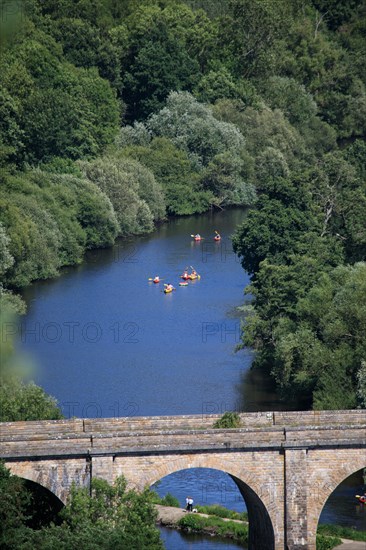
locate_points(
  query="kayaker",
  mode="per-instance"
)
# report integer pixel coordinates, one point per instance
(169, 287)
(217, 236)
(198, 236)
(194, 273)
(185, 274)
(156, 279)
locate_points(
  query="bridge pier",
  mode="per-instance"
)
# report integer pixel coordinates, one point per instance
(296, 506)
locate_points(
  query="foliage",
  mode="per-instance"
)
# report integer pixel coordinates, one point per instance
(167, 500)
(56, 108)
(175, 173)
(50, 220)
(19, 400)
(111, 517)
(214, 525)
(361, 385)
(13, 503)
(228, 420)
(220, 511)
(327, 543)
(341, 532)
(123, 181)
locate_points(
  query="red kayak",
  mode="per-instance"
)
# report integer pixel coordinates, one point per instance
(217, 238)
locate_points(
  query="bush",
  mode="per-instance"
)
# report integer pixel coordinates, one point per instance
(214, 526)
(327, 543)
(169, 500)
(228, 420)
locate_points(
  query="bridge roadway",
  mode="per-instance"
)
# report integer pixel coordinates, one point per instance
(285, 464)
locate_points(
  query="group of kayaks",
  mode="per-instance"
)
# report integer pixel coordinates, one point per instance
(198, 237)
(186, 276)
(168, 288)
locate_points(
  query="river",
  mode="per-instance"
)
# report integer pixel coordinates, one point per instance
(107, 342)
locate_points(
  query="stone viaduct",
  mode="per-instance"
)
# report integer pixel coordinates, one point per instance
(285, 464)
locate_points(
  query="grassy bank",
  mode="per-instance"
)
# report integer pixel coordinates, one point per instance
(327, 543)
(343, 532)
(221, 512)
(214, 526)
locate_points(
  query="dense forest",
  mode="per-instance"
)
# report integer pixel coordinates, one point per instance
(115, 115)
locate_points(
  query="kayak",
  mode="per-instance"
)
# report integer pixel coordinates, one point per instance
(183, 284)
(217, 238)
(185, 277)
(198, 238)
(192, 277)
(156, 282)
(167, 290)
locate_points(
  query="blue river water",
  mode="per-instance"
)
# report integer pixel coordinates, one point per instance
(107, 342)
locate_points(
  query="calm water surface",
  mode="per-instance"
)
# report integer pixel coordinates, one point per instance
(107, 343)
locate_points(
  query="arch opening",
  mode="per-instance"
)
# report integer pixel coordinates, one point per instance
(210, 486)
(261, 533)
(342, 507)
(44, 506)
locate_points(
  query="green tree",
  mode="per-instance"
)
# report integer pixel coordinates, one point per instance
(14, 500)
(176, 174)
(122, 187)
(192, 127)
(18, 400)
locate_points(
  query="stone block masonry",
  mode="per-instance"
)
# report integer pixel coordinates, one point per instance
(285, 464)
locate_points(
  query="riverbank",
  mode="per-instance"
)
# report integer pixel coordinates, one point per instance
(177, 518)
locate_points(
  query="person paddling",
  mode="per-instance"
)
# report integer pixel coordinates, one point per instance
(156, 279)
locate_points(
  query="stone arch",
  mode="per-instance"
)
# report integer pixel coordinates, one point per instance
(29, 472)
(55, 475)
(326, 472)
(252, 486)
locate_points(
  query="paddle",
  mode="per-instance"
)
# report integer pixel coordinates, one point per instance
(198, 275)
(193, 236)
(152, 279)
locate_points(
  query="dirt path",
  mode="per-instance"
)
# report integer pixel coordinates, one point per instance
(351, 545)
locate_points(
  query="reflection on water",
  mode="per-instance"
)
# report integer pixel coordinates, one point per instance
(177, 540)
